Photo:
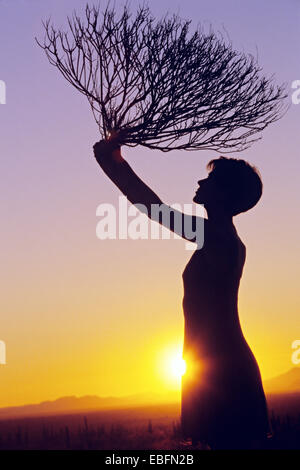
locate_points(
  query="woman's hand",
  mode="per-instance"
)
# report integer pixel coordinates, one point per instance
(110, 149)
(107, 150)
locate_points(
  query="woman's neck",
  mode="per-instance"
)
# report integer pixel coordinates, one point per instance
(219, 217)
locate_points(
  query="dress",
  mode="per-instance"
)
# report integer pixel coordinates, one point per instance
(222, 397)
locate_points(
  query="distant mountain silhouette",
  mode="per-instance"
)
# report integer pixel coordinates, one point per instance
(73, 404)
(285, 383)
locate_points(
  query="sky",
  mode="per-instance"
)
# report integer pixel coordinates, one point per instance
(84, 316)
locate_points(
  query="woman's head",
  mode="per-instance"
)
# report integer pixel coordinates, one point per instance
(232, 183)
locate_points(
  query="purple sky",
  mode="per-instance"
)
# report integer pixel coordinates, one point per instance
(53, 266)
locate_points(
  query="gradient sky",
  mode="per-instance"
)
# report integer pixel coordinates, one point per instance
(84, 316)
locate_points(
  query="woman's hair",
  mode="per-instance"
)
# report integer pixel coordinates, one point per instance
(240, 181)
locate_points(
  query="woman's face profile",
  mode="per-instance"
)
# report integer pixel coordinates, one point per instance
(208, 191)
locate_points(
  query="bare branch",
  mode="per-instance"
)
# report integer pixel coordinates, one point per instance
(169, 89)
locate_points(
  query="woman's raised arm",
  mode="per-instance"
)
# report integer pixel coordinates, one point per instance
(108, 156)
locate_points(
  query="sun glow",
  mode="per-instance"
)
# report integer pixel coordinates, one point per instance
(177, 366)
(172, 365)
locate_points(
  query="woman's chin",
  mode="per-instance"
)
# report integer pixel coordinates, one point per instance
(197, 199)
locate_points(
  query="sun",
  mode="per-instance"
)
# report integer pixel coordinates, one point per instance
(177, 366)
(172, 365)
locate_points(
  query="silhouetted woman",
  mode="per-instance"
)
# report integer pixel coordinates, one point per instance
(223, 402)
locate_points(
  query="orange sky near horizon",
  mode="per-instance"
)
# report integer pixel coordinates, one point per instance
(81, 316)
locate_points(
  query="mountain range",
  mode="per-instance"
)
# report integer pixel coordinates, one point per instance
(286, 383)
(289, 382)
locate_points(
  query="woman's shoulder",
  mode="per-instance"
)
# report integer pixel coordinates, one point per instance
(223, 236)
